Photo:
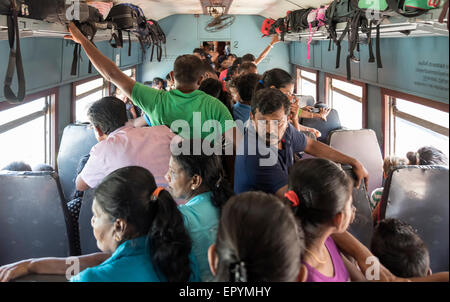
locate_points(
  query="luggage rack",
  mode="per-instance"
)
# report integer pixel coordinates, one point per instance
(394, 27)
(37, 28)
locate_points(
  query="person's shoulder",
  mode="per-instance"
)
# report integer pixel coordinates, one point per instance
(100, 273)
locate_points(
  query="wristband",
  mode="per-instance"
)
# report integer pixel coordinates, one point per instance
(300, 111)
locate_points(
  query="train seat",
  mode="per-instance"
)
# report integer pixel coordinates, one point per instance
(33, 217)
(77, 141)
(88, 242)
(363, 145)
(325, 127)
(362, 226)
(418, 195)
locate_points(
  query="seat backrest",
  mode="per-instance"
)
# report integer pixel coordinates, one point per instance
(88, 242)
(34, 219)
(306, 100)
(325, 127)
(77, 141)
(419, 196)
(362, 226)
(363, 145)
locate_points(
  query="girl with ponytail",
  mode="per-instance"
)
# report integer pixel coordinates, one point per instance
(320, 192)
(258, 241)
(200, 179)
(140, 225)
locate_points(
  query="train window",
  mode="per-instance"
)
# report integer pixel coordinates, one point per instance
(413, 123)
(348, 99)
(85, 93)
(26, 131)
(307, 82)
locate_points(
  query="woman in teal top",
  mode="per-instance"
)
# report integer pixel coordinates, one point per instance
(200, 180)
(140, 225)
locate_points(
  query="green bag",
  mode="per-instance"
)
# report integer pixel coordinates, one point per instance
(421, 4)
(378, 5)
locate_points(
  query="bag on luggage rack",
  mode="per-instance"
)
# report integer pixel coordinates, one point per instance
(265, 28)
(130, 18)
(297, 20)
(158, 37)
(405, 8)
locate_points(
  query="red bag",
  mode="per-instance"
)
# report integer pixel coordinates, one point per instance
(265, 28)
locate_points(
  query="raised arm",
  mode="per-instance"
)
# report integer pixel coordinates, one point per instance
(103, 64)
(266, 51)
(319, 149)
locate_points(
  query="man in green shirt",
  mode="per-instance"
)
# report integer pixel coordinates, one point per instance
(187, 111)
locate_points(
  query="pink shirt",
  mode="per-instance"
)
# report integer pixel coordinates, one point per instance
(147, 147)
(340, 270)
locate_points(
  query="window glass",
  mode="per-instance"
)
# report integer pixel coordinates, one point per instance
(83, 88)
(30, 141)
(83, 104)
(349, 110)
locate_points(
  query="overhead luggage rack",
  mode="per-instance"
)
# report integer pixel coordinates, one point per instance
(394, 27)
(37, 28)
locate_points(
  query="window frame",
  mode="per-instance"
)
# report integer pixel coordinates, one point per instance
(106, 88)
(388, 115)
(298, 76)
(53, 95)
(328, 82)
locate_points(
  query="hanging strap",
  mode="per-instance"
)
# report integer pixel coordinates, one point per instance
(444, 13)
(73, 70)
(378, 48)
(15, 60)
(338, 43)
(129, 44)
(118, 40)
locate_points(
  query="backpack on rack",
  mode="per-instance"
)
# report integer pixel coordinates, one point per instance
(279, 27)
(297, 20)
(265, 28)
(158, 38)
(55, 11)
(347, 11)
(405, 8)
(130, 18)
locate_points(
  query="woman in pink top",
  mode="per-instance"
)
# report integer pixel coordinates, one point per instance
(320, 192)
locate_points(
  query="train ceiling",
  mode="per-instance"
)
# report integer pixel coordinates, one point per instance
(158, 9)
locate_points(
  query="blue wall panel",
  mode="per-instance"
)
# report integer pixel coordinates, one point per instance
(185, 32)
(418, 66)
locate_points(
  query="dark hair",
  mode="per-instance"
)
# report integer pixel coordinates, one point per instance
(427, 156)
(127, 193)
(248, 58)
(206, 67)
(146, 83)
(323, 188)
(17, 166)
(245, 86)
(400, 249)
(214, 88)
(43, 167)
(200, 51)
(108, 114)
(269, 100)
(237, 62)
(168, 77)
(246, 66)
(187, 69)
(208, 167)
(231, 55)
(231, 70)
(258, 237)
(275, 77)
(156, 81)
